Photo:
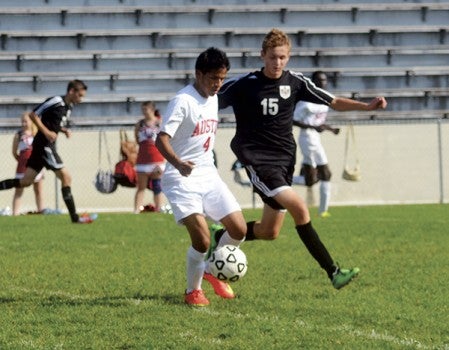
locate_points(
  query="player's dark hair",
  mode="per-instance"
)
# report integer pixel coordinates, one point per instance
(318, 77)
(211, 60)
(316, 74)
(76, 84)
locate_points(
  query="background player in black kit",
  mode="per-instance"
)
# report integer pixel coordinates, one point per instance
(263, 104)
(51, 117)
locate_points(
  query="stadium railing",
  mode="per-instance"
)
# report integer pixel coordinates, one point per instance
(111, 77)
(370, 35)
(284, 10)
(175, 57)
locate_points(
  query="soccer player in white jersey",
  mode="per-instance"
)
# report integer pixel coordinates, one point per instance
(191, 181)
(311, 118)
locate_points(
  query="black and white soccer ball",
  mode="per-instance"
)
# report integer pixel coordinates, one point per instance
(228, 263)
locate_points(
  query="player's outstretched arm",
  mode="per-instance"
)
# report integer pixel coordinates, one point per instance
(319, 128)
(345, 104)
(327, 127)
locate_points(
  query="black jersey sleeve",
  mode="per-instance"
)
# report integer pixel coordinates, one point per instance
(228, 95)
(52, 113)
(225, 94)
(308, 91)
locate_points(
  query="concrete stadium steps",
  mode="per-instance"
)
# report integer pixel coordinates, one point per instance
(128, 104)
(160, 59)
(151, 81)
(46, 3)
(129, 51)
(194, 15)
(148, 38)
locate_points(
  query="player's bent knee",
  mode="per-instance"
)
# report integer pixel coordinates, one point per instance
(201, 246)
(239, 235)
(268, 235)
(25, 182)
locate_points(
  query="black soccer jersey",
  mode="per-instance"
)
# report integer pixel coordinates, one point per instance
(54, 114)
(263, 109)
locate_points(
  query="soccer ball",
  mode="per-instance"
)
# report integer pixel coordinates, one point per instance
(228, 263)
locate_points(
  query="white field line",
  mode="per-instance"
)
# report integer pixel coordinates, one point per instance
(384, 336)
(70, 296)
(372, 335)
(356, 333)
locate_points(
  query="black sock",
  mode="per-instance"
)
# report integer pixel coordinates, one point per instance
(316, 248)
(10, 183)
(70, 203)
(218, 235)
(250, 231)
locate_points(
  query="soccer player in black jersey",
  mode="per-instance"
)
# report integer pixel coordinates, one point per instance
(51, 117)
(263, 102)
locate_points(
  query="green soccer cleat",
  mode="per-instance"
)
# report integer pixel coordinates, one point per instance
(324, 214)
(341, 277)
(216, 231)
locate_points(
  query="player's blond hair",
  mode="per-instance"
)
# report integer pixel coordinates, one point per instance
(33, 127)
(275, 38)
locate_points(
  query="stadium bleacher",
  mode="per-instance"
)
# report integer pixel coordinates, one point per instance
(175, 58)
(128, 51)
(196, 15)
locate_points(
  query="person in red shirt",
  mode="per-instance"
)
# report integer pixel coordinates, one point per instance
(150, 162)
(22, 146)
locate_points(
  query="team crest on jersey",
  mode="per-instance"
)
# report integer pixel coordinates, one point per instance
(284, 91)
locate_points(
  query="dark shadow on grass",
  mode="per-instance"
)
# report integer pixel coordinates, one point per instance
(112, 301)
(4, 300)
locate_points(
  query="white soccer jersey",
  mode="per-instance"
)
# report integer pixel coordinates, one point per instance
(309, 139)
(191, 120)
(310, 113)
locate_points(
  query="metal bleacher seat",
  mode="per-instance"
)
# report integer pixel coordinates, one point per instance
(128, 51)
(124, 108)
(120, 15)
(339, 36)
(113, 91)
(341, 78)
(175, 58)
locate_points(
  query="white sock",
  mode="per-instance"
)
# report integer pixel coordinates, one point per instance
(195, 269)
(325, 193)
(310, 197)
(299, 180)
(227, 239)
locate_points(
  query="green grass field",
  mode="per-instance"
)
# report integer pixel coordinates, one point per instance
(118, 284)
